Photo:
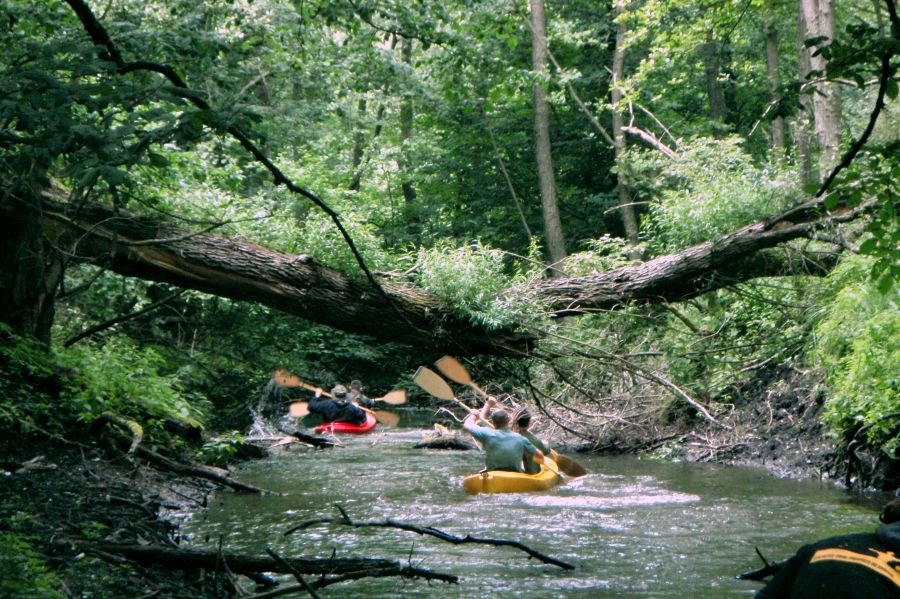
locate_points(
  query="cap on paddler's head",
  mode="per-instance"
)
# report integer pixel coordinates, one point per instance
(500, 418)
(522, 417)
(339, 391)
(891, 512)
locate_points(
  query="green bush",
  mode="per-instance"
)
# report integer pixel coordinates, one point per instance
(22, 572)
(122, 377)
(711, 188)
(857, 346)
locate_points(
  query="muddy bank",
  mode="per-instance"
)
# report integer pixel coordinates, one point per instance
(55, 493)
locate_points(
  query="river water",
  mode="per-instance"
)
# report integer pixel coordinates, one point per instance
(633, 527)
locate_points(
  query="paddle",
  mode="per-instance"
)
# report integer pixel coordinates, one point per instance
(431, 382)
(455, 371)
(451, 368)
(285, 379)
(299, 409)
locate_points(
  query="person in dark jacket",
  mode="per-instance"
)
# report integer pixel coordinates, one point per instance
(863, 565)
(357, 396)
(337, 408)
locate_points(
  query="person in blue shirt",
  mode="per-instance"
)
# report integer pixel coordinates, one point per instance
(503, 449)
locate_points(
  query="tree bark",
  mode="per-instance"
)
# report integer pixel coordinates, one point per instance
(818, 16)
(556, 245)
(772, 67)
(802, 124)
(712, 68)
(160, 251)
(359, 143)
(626, 207)
(30, 272)
(406, 130)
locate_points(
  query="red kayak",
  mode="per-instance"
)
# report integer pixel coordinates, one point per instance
(346, 427)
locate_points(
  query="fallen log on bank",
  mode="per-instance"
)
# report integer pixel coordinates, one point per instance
(216, 475)
(338, 569)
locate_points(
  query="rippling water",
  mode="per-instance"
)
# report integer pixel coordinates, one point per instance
(633, 527)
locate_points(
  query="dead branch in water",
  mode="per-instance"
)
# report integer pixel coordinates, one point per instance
(332, 570)
(344, 519)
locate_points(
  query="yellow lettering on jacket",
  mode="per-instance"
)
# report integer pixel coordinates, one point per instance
(880, 562)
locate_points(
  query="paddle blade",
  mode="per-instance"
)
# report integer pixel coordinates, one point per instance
(431, 382)
(568, 465)
(286, 379)
(395, 398)
(299, 409)
(387, 418)
(451, 368)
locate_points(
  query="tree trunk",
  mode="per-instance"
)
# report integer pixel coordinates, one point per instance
(626, 208)
(818, 17)
(159, 251)
(30, 272)
(772, 66)
(406, 130)
(359, 144)
(556, 245)
(717, 111)
(802, 124)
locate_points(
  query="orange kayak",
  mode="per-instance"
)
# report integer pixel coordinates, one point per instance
(502, 481)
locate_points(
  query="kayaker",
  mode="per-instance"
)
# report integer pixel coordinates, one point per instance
(503, 448)
(521, 421)
(357, 396)
(852, 566)
(337, 408)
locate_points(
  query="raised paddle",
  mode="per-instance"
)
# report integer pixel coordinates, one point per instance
(451, 368)
(299, 409)
(285, 379)
(431, 382)
(455, 371)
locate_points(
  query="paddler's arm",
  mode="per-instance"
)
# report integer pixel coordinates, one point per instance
(472, 419)
(538, 457)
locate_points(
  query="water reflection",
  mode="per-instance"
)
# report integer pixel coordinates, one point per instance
(634, 528)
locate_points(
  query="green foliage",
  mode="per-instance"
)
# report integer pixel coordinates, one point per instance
(122, 377)
(856, 345)
(605, 253)
(475, 281)
(220, 450)
(22, 571)
(25, 367)
(713, 187)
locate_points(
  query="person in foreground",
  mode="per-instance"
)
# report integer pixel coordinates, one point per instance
(503, 449)
(337, 408)
(521, 421)
(863, 565)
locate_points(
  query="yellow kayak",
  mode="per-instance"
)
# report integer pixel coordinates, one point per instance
(501, 481)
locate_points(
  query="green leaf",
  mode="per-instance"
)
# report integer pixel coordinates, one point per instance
(811, 188)
(832, 201)
(892, 89)
(867, 246)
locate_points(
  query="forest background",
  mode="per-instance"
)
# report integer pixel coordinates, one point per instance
(490, 161)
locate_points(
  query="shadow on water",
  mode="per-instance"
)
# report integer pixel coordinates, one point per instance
(634, 527)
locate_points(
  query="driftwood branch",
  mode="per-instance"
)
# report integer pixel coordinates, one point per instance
(345, 520)
(214, 474)
(339, 569)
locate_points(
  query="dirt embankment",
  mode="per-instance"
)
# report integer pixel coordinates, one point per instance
(778, 424)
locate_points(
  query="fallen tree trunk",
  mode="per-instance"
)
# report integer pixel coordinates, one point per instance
(158, 250)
